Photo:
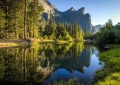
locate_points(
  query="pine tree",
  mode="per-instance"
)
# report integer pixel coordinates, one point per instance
(33, 18)
(75, 29)
(2, 24)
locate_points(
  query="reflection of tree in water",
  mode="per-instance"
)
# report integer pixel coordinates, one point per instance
(18, 65)
(84, 60)
(10, 68)
(37, 64)
(71, 59)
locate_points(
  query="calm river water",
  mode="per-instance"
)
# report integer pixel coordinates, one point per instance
(47, 63)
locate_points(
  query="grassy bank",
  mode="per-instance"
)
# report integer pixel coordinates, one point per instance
(110, 74)
(11, 43)
(31, 41)
(8, 44)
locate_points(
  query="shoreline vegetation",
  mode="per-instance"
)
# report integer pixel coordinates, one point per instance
(32, 41)
(110, 74)
(21, 25)
(23, 20)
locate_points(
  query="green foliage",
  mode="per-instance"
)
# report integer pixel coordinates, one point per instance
(88, 35)
(2, 23)
(61, 31)
(110, 75)
(67, 37)
(12, 22)
(20, 19)
(109, 34)
(34, 10)
(2, 19)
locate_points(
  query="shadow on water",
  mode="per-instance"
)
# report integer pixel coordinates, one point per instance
(47, 63)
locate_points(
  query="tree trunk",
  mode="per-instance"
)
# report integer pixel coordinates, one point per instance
(6, 17)
(25, 19)
(24, 53)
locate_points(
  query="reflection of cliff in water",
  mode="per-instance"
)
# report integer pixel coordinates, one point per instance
(72, 61)
(83, 68)
(62, 56)
(35, 65)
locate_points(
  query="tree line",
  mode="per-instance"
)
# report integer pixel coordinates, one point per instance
(60, 31)
(22, 19)
(19, 19)
(109, 34)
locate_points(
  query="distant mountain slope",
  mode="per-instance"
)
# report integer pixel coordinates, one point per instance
(69, 16)
(96, 28)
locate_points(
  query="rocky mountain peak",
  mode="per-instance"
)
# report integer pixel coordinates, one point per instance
(87, 15)
(82, 10)
(72, 9)
(68, 16)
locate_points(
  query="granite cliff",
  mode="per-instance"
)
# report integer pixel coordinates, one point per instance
(69, 16)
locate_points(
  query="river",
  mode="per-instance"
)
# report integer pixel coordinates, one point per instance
(47, 63)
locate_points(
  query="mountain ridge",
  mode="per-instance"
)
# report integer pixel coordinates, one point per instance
(69, 16)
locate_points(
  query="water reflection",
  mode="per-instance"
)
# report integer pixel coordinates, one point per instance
(48, 62)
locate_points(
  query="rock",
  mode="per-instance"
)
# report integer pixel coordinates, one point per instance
(69, 16)
(96, 28)
(24, 43)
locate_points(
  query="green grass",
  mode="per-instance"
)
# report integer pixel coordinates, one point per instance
(33, 42)
(55, 41)
(110, 74)
(8, 44)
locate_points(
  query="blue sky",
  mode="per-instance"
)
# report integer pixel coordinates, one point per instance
(100, 10)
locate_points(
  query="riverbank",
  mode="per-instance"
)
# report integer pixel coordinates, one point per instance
(110, 74)
(31, 41)
(9, 43)
(55, 41)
